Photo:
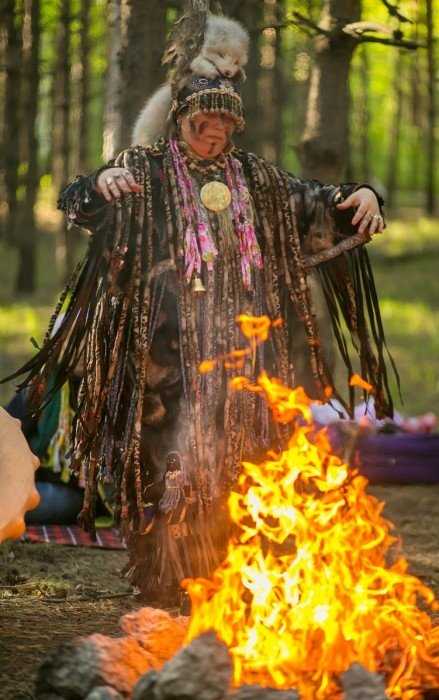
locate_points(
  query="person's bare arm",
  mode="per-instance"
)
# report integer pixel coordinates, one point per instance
(17, 478)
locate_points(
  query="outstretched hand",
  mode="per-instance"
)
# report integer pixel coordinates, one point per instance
(367, 214)
(113, 183)
(17, 477)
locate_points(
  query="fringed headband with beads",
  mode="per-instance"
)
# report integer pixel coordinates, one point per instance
(204, 95)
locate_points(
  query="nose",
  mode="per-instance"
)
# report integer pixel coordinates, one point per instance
(218, 121)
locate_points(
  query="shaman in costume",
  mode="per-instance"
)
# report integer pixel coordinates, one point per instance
(167, 271)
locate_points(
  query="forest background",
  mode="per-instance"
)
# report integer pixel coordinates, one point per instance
(336, 90)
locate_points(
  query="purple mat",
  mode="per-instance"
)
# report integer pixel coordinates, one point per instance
(399, 458)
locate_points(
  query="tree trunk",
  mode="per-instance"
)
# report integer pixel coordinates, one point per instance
(143, 43)
(26, 238)
(250, 14)
(112, 138)
(84, 96)
(431, 141)
(67, 239)
(268, 106)
(323, 148)
(11, 144)
(279, 91)
(417, 111)
(364, 117)
(395, 133)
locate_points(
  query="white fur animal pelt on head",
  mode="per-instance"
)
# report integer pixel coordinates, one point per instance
(224, 53)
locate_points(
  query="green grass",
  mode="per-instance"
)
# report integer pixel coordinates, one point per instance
(406, 262)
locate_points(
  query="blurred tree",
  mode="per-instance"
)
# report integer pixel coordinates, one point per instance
(395, 131)
(251, 14)
(61, 163)
(84, 121)
(25, 238)
(13, 17)
(324, 145)
(417, 100)
(323, 148)
(364, 145)
(431, 140)
(143, 42)
(113, 85)
(138, 37)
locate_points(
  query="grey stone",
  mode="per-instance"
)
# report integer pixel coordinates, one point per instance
(256, 692)
(360, 684)
(201, 670)
(104, 692)
(71, 671)
(144, 688)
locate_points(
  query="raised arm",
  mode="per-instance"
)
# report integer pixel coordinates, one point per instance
(85, 200)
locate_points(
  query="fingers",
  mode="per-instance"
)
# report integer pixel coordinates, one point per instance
(133, 185)
(115, 182)
(359, 215)
(348, 202)
(376, 224)
(103, 189)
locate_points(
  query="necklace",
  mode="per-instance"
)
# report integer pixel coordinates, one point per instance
(202, 165)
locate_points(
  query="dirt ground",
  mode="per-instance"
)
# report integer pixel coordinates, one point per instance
(51, 593)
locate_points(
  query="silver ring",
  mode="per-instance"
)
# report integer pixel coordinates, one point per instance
(119, 175)
(376, 216)
(109, 180)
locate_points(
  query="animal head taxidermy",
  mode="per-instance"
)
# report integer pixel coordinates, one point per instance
(225, 50)
(224, 53)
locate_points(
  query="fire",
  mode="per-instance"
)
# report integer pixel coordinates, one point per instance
(312, 580)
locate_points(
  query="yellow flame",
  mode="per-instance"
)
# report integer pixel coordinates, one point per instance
(311, 582)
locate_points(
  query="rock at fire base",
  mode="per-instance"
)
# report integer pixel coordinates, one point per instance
(73, 670)
(104, 692)
(360, 684)
(159, 633)
(70, 671)
(144, 689)
(201, 670)
(255, 692)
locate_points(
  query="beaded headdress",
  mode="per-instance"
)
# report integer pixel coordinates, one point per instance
(205, 95)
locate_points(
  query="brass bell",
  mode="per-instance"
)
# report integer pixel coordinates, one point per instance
(198, 286)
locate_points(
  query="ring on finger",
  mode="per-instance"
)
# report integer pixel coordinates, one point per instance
(109, 180)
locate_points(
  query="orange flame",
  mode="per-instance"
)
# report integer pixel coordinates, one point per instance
(311, 582)
(356, 380)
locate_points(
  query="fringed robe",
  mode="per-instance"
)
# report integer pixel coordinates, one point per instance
(169, 438)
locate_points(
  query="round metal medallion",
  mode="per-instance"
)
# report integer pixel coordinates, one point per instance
(215, 196)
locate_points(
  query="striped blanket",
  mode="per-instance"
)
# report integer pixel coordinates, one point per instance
(73, 535)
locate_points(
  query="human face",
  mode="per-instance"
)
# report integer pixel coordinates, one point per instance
(207, 134)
